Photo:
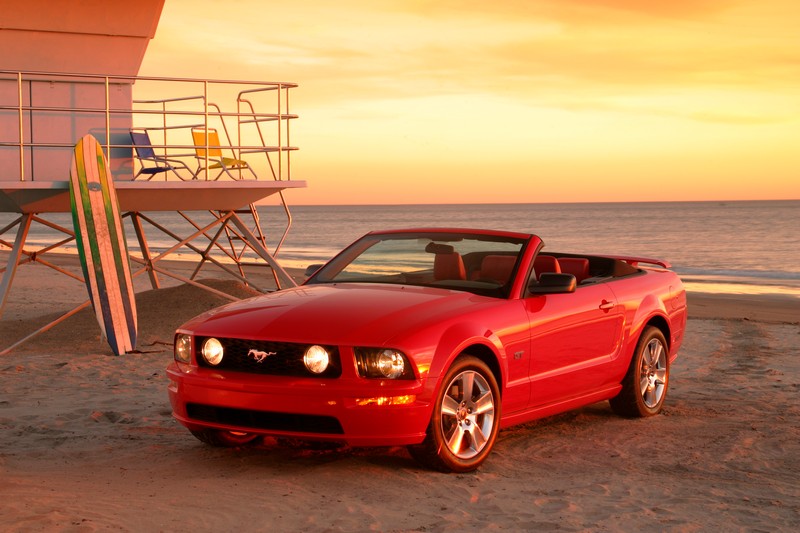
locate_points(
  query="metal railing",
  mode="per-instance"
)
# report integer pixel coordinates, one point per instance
(43, 115)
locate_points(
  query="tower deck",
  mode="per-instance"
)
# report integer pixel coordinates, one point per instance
(210, 147)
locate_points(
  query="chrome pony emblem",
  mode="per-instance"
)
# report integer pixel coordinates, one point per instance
(259, 356)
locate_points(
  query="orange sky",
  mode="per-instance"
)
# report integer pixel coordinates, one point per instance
(451, 101)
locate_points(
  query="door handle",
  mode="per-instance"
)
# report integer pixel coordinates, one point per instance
(605, 305)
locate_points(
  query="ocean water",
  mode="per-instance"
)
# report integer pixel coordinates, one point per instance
(730, 247)
(735, 247)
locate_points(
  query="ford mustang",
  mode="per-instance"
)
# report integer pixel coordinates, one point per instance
(433, 339)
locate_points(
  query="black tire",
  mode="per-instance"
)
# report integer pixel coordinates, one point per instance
(464, 423)
(223, 438)
(644, 387)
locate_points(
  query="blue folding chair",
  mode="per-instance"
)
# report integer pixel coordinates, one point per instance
(147, 156)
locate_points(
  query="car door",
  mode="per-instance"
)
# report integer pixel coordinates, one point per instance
(574, 339)
(508, 324)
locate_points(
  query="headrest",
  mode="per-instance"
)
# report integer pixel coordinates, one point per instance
(498, 267)
(449, 266)
(546, 263)
(577, 266)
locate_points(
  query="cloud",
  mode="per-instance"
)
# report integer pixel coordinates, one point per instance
(561, 53)
(612, 47)
(570, 11)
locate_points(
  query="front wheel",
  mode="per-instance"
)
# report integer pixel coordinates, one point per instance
(224, 438)
(465, 420)
(645, 384)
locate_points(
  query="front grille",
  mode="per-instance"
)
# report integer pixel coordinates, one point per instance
(276, 358)
(267, 420)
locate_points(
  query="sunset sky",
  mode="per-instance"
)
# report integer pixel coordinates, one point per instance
(453, 101)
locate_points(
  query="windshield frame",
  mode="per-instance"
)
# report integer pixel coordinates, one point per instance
(441, 241)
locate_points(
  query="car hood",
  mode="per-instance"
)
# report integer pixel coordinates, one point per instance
(347, 313)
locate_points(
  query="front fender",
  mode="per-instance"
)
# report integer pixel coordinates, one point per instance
(453, 342)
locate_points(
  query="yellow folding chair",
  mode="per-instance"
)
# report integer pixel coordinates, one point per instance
(208, 142)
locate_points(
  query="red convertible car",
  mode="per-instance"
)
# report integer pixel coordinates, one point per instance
(434, 339)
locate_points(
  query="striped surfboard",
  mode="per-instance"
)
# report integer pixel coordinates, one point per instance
(101, 245)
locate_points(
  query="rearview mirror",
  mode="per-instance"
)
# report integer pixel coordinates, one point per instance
(552, 283)
(312, 269)
(438, 248)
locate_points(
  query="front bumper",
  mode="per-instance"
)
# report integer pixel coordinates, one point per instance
(353, 410)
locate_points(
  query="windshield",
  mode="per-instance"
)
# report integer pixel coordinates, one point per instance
(482, 264)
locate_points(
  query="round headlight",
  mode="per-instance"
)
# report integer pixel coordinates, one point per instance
(316, 359)
(183, 348)
(390, 363)
(212, 351)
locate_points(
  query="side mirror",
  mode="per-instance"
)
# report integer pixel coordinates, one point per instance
(552, 283)
(312, 269)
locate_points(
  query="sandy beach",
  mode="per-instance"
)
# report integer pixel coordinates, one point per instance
(87, 442)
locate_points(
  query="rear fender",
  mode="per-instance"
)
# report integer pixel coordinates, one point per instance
(651, 309)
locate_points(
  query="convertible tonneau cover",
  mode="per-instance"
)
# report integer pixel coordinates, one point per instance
(635, 261)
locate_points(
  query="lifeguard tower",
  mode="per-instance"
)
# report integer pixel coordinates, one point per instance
(205, 149)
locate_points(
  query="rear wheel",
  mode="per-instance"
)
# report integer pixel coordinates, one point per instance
(465, 420)
(224, 438)
(645, 385)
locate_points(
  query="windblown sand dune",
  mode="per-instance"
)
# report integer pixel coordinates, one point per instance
(87, 443)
